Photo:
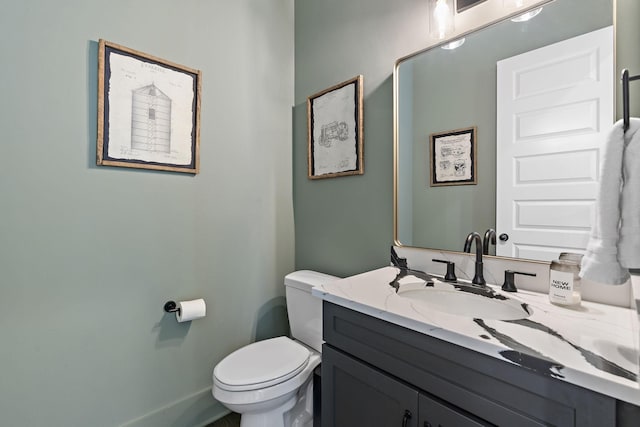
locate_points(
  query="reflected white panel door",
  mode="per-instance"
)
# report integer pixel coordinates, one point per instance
(554, 108)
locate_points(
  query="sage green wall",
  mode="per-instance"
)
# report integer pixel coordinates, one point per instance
(89, 255)
(345, 225)
(628, 51)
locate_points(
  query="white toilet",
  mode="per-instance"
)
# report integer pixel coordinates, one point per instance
(270, 382)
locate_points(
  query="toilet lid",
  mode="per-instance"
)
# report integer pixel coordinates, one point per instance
(261, 364)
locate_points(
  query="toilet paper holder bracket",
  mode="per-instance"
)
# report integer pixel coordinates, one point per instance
(171, 307)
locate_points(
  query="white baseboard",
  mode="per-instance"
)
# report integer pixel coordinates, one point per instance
(195, 410)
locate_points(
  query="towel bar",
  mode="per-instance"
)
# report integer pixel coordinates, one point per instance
(625, 96)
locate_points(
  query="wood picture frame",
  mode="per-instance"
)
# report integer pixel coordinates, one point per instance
(335, 130)
(148, 111)
(452, 156)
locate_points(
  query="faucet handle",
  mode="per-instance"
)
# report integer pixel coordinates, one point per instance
(451, 270)
(509, 280)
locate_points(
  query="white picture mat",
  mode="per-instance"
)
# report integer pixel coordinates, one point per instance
(128, 74)
(329, 110)
(453, 157)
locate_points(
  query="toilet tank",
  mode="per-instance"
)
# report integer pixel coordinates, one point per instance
(305, 310)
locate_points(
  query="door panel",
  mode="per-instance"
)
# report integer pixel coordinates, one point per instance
(355, 394)
(435, 413)
(554, 106)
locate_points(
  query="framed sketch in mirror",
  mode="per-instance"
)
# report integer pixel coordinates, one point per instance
(335, 130)
(453, 157)
(148, 111)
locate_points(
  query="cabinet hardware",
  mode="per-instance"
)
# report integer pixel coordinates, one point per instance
(405, 419)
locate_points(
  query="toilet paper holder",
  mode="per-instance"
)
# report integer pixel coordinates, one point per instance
(187, 311)
(171, 307)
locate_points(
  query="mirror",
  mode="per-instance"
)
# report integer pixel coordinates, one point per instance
(439, 91)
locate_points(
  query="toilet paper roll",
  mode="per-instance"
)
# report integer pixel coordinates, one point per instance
(191, 310)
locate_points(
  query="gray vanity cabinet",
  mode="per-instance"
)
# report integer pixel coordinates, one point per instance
(365, 396)
(375, 373)
(362, 395)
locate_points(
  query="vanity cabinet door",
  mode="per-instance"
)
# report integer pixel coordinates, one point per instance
(436, 413)
(355, 394)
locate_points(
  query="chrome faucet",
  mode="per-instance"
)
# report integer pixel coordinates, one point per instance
(489, 239)
(474, 236)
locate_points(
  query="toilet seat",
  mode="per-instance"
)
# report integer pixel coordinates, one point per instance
(261, 364)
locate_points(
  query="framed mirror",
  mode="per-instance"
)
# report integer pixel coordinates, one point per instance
(438, 91)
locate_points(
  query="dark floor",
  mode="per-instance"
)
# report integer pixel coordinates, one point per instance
(231, 420)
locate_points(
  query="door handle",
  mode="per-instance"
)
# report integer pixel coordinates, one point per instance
(405, 419)
(503, 237)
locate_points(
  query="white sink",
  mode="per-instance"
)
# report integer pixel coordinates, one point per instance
(464, 300)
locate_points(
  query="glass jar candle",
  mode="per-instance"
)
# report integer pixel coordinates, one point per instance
(571, 256)
(564, 282)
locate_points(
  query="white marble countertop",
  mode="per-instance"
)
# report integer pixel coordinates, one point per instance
(595, 346)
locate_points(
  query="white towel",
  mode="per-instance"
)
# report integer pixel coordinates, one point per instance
(614, 244)
(629, 244)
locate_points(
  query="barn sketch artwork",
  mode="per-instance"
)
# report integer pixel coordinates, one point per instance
(148, 111)
(151, 120)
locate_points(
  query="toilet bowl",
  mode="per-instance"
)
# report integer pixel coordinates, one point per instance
(270, 382)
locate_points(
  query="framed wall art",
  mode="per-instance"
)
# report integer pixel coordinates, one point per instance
(453, 157)
(335, 130)
(148, 111)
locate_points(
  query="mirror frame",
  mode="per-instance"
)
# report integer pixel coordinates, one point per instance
(396, 156)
